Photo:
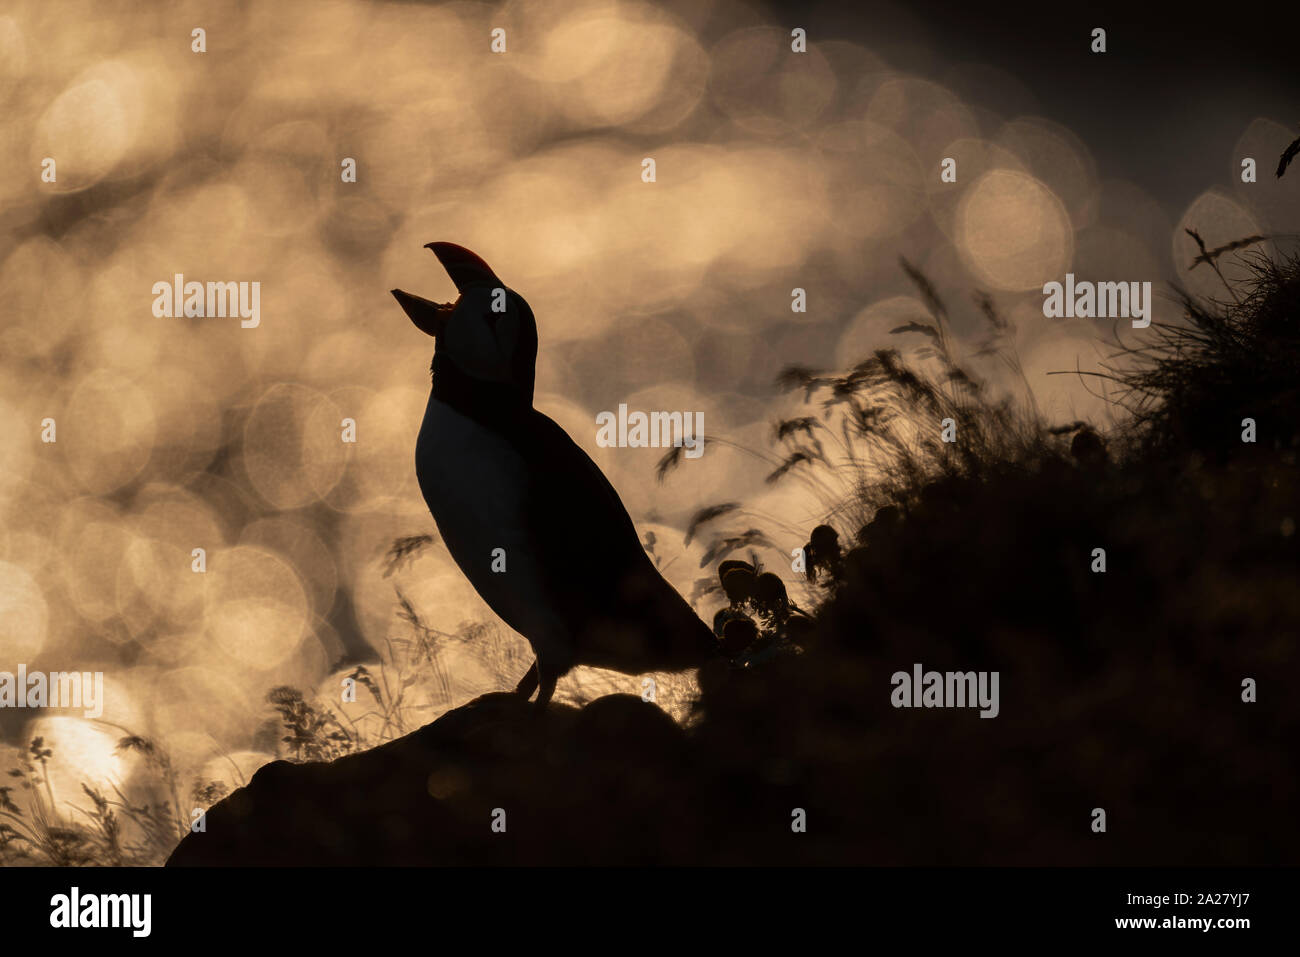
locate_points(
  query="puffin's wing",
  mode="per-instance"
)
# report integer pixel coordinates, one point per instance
(581, 521)
(625, 615)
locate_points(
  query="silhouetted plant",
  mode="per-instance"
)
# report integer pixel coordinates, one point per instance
(1188, 389)
(311, 735)
(403, 550)
(106, 825)
(755, 624)
(42, 836)
(874, 443)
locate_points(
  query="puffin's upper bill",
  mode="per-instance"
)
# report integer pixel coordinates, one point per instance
(464, 267)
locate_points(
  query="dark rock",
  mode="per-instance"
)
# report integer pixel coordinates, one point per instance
(606, 784)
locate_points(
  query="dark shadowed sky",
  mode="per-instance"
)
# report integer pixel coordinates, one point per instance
(1177, 87)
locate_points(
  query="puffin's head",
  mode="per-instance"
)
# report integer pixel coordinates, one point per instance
(488, 333)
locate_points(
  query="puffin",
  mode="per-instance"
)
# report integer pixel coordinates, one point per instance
(525, 513)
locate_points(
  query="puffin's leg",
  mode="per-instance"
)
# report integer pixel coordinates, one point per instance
(528, 683)
(547, 680)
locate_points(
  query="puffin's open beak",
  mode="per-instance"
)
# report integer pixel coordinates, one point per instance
(429, 317)
(464, 267)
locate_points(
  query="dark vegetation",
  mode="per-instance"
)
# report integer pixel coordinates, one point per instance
(1120, 690)
(113, 830)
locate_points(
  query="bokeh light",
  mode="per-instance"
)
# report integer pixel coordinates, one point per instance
(1014, 232)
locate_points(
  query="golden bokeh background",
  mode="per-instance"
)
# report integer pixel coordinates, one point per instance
(774, 170)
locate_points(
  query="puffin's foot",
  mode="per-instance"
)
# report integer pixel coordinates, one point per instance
(540, 679)
(528, 683)
(547, 682)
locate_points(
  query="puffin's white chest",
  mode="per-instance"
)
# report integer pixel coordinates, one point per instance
(473, 480)
(475, 484)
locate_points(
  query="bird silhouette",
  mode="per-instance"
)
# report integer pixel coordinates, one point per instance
(572, 575)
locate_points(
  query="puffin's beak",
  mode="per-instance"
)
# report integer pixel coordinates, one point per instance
(464, 267)
(429, 317)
